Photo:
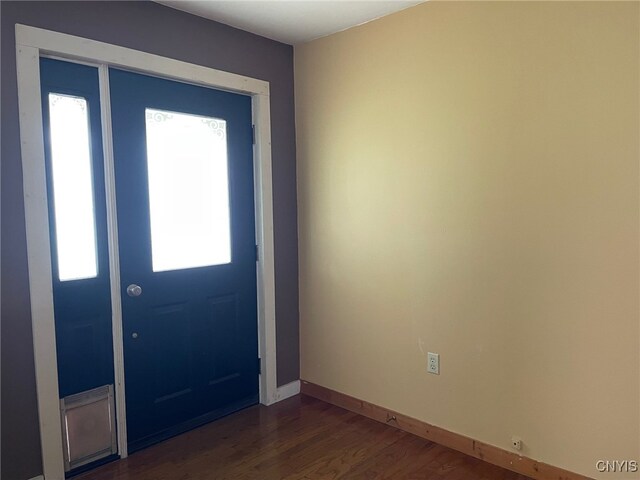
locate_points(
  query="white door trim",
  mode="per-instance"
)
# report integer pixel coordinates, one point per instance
(114, 260)
(289, 390)
(31, 44)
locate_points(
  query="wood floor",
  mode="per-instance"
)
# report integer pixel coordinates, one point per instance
(299, 438)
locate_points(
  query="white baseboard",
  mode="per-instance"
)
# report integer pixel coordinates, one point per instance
(288, 390)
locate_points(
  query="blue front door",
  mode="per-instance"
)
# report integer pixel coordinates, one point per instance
(186, 232)
(186, 228)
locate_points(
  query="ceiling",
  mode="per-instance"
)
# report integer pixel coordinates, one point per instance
(291, 21)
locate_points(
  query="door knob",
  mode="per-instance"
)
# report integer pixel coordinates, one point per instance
(134, 335)
(134, 290)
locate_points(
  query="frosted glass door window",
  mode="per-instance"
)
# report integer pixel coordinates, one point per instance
(74, 210)
(188, 190)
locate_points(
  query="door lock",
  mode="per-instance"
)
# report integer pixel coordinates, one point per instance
(134, 290)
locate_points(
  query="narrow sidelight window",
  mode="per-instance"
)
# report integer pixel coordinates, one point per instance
(74, 209)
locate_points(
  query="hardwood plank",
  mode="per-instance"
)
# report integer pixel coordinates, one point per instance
(299, 438)
(473, 448)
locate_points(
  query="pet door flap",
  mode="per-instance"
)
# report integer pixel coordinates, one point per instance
(88, 426)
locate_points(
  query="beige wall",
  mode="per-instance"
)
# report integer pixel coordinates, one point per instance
(468, 185)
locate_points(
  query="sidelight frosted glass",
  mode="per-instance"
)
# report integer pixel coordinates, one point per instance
(74, 211)
(188, 190)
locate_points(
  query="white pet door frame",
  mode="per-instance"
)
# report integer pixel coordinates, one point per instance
(31, 44)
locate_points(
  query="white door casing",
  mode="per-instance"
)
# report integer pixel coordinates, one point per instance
(31, 44)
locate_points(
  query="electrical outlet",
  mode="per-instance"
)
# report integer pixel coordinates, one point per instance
(433, 363)
(516, 443)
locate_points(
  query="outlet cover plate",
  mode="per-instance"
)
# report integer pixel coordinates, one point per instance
(433, 363)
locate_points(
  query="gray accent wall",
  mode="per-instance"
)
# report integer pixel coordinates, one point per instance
(157, 29)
